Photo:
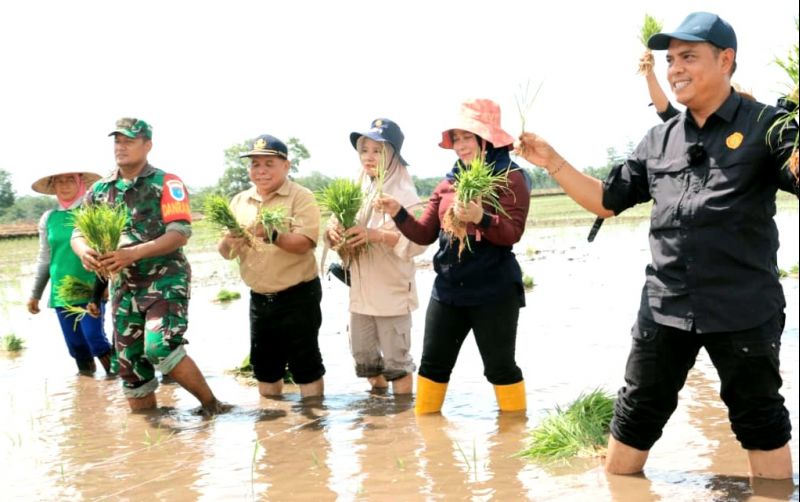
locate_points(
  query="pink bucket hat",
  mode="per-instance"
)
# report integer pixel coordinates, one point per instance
(480, 117)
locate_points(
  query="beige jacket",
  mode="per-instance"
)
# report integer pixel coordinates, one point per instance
(382, 281)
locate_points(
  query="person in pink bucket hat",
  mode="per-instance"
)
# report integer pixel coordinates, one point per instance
(479, 290)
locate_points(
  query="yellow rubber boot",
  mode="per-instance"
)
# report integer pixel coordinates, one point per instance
(430, 396)
(511, 397)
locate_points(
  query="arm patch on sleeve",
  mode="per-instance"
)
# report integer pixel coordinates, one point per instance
(175, 200)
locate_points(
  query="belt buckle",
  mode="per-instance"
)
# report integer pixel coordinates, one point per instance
(270, 297)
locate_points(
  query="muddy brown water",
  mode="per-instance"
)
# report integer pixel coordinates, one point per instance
(66, 437)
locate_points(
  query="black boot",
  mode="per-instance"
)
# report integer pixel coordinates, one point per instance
(86, 366)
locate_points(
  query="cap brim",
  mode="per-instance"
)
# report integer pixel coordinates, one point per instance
(124, 133)
(263, 153)
(660, 41)
(374, 137)
(43, 185)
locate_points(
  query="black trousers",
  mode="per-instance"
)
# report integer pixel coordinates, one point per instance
(748, 364)
(495, 327)
(284, 328)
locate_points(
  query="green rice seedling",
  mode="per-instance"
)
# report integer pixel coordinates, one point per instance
(274, 219)
(527, 282)
(580, 430)
(72, 290)
(101, 225)
(77, 312)
(650, 27)
(342, 198)
(380, 171)
(217, 210)
(787, 121)
(476, 182)
(226, 296)
(256, 448)
(525, 100)
(13, 343)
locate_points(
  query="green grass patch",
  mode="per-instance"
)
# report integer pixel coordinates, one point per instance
(792, 272)
(527, 282)
(13, 343)
(580, 430)
(560, 210)
(225, 296)
(245, 370)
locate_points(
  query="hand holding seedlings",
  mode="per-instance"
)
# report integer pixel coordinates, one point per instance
(471, 212)
(357, 235)
(93, 309)
(119, 259)
(387, 204)
(334, 231)
(536, 150)
(646, 63)
(232, 243)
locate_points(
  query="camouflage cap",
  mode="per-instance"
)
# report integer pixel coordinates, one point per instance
(132, 128)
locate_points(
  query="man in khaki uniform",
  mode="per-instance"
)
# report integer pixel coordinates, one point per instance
(281, 271)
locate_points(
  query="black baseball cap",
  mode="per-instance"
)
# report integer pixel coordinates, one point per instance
(698, 27)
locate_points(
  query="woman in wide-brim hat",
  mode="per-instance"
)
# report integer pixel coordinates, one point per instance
(85, 337)
(383, 290)
(480, 289)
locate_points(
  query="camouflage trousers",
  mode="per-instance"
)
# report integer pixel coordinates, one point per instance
(149, 335)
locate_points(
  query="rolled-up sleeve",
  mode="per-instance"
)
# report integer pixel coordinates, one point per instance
(626, 184)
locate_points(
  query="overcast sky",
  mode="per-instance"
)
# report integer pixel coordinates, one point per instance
(207, 75)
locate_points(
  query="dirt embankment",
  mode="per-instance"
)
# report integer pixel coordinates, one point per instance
(13, 230)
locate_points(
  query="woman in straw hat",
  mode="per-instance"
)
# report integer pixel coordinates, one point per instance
(85, 337)
(480, 290)
(383, 291)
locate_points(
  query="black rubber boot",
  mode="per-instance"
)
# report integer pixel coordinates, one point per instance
(86, 367)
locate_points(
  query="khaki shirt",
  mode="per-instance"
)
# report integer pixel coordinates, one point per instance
(266, 268)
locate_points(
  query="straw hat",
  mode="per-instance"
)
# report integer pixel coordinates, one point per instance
(482, 118)
(45, 185)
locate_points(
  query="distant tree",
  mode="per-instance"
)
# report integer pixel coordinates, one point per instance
(235, 178)
(540, 179)
(613, 158)
(297, 153)
(315, 181)
(425, 186)
(28, 208)
(6, 190)
(198, 197)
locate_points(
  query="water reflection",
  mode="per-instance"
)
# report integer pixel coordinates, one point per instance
(71, 438)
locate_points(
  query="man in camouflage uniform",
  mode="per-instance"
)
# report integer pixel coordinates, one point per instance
(151, 276)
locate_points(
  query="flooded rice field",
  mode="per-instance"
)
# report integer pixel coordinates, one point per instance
(69, 437)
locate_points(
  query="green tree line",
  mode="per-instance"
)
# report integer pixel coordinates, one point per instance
(234, 179)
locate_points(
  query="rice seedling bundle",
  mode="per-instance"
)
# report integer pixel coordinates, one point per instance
(790, 67)
(650, 27)
(342, 198)
(101, 225)
(580, 430)
(72, 290)
(218, 212)
(476, 182)
(274, 219)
